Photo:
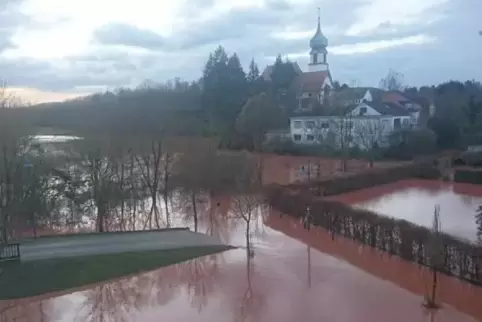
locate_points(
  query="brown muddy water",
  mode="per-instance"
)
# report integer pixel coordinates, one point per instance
(415, 200)
(293, 275)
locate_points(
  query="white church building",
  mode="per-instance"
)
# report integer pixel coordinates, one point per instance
(364, 116)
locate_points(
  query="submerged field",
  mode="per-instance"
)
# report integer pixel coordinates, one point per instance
(415, 200)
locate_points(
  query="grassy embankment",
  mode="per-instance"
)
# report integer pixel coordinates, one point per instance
(30, 278)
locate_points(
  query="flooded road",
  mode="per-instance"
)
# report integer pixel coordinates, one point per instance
(414, 201)
(292, 275)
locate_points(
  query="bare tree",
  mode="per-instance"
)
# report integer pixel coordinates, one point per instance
(151, 168)
(5, 97)
(14, 175)
(246, 207)
(435, 253)
(92, 164)
(394, 81)
(342, 128)
(370, 134)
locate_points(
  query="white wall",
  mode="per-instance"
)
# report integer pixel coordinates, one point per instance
(365, 131)
(368, 96)
(321, 64)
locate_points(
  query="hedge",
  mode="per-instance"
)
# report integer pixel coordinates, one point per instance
(367, 179)
(468, 176)
(397, 237)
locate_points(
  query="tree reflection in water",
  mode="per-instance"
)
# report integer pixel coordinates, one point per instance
(108, 302)
(117, 301)
(199, 276)
(251, 302)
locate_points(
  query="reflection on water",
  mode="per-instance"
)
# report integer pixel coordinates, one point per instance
(414, 201)
(293, 275)
(288, 169)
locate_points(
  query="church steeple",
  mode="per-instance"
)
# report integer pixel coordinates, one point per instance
(318, 52)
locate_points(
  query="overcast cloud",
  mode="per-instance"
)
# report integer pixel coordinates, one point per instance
(88, 45)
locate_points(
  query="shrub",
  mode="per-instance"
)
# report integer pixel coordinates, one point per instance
(366, 179)
(468, 176)
(408, 143)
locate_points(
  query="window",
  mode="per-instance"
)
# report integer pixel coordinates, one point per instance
(315, 58)
(405, 122)
(363, 110)
(297, 137)
(325, 125)
(310, 138)
(305, 103)
(397, 123)
(310, 124)
(297, 124)
(309, 94)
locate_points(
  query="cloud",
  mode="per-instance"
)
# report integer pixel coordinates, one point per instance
(374, 46)
(376, 13)
(88, 45)
(10, 20)
(127, 35)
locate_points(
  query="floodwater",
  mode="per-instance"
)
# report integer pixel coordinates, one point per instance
(415, 200)
(293, 275)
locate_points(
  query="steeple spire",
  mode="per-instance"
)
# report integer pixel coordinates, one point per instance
(318, 46)
(319, 27)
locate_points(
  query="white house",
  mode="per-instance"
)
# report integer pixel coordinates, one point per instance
(364, 126)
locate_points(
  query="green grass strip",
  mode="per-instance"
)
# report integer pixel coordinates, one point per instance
(24, 279)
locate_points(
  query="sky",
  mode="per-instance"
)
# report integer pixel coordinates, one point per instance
(57, 49)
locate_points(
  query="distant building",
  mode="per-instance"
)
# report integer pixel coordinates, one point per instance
(312, 87)
(364, 126)
(353, 116)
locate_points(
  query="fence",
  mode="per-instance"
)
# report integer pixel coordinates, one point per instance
(9, 252)
(397, 237)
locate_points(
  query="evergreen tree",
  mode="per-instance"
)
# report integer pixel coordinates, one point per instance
(236, 88)
(259, 115)
(253, 74)
(224, 91)
(255, 84)
(282, 75)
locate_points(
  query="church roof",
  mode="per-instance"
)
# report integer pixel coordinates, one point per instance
(310, 82)
(319, 41)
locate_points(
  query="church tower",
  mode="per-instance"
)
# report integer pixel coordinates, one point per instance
(318, 51)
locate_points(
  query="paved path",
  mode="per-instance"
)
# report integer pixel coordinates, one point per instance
(113, 243)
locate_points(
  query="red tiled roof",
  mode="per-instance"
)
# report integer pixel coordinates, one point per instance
(393, 97)
(310, 82)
